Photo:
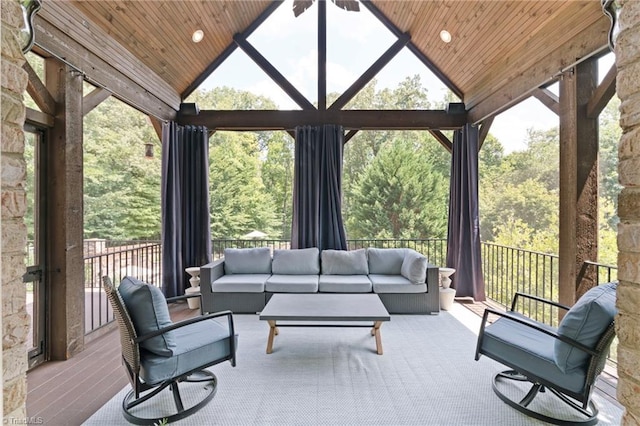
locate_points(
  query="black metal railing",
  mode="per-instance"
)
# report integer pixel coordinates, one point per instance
(141, 259)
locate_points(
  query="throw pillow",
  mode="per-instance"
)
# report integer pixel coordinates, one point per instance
(296, 261)
(585, 322)
(342, 262)
(148, 310)
(385, 261)
(247, 261)
(414, 267)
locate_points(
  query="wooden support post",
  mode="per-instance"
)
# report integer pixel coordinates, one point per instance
(578, 183)
(65, 265)
(322, 55)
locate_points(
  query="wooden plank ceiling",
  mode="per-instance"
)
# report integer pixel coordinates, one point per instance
(500, 49)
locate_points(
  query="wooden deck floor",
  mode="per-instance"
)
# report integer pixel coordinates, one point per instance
(68, 392)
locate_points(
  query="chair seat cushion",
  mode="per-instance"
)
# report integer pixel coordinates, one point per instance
(528, 350)
(344, 284)
(240, 283)
(148, 310)
(585, 322)
(200, 344)
(395, 284)
(292, 284)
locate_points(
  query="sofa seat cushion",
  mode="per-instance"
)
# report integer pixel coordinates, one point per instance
(292, 284)
(385, 261)
(247, 261)
(395, 284)
(240, 283)
(344, 284)
(343, 262)
(528, 350)
(296, 262)
(196, 344)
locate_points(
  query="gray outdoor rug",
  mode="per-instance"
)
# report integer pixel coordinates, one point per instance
(329, 376)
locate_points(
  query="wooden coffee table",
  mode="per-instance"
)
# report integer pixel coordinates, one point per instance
(332, 309)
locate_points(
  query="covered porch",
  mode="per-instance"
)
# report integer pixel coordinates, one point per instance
(79, 41)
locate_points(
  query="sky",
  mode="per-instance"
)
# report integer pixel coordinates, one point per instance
(290, 44)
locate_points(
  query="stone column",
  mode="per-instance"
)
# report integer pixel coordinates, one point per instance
(628, 321)
(15, 320)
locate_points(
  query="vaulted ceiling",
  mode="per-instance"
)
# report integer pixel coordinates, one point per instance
(501, 50)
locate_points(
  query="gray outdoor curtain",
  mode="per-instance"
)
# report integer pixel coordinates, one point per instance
(186, 239)
(317, 188)
(463, 239)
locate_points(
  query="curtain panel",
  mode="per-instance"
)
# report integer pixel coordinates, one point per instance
(463, 239)
(317, 188)
(186, 236)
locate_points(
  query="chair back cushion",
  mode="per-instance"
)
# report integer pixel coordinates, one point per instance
(585, 322)
(414, 267)
(385, 261)
(296, 262)
(148, 310)
(343, 262)
(247, 261)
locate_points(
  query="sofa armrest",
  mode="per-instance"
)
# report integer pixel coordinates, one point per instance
(433, 282)
(208, 274)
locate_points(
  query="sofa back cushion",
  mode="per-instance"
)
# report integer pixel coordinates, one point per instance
(296, 262)
(342, 262)
(247, 261)
(385, 261)
(414, 267)
(585, 322)
(148, 310)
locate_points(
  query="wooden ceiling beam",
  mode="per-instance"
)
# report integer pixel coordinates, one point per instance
(272, 72)
(53, 41)
(374, 69)
(590, 42)
(548, 99)
(78, 27)
(230, 49)
(349, 135)
(157, 126)
(93, 99)
(38, 91)
(412, 48)
(38, 118)
(603, 94)
(484, 131)
(443, 139)
(251, 120)
(322, 55)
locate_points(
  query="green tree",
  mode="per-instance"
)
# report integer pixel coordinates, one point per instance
(399, 196)
(121, 185)
(277, 176)
(239, 202)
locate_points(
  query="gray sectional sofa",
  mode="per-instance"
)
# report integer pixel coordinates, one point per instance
(244, 280)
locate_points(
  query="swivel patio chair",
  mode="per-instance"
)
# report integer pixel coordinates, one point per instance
(566, 360)
(157, 353)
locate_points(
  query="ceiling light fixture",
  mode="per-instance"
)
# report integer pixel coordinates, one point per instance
(197, 36)
(445, 36)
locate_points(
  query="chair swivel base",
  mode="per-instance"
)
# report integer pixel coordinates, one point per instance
(590, 415)
(201, 376)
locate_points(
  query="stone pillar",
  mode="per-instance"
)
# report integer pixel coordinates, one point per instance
(628, 321)
(15, 320)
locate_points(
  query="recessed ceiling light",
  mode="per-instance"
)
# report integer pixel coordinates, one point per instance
(445, 36)
(197, 36)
